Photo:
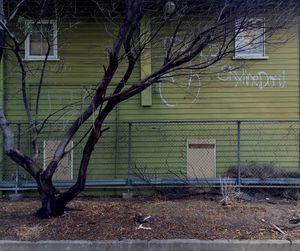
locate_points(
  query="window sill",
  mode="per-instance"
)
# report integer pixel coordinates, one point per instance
(250, 57)
(41, 59)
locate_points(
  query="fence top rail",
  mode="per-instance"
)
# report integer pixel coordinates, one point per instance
(173, 122)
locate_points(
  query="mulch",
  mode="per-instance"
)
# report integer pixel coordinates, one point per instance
(112, 218)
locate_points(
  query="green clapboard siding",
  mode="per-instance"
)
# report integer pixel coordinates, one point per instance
(257, 89)
(1, 104)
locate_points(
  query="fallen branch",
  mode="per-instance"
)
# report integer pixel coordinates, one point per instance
(274, 226)
(142, 227)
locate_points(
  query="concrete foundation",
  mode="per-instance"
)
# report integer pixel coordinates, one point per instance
(15, 196)
(153, 245)
(127, 195)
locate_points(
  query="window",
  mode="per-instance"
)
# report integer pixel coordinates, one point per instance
(249, 42)
(36, 44)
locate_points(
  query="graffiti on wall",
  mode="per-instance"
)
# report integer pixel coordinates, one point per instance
(191, 85)
(260, 79)
(238, 76)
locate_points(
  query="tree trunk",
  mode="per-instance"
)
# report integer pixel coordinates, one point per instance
(51, 205)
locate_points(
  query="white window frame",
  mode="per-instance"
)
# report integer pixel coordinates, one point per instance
(53, 57)
(240, 54)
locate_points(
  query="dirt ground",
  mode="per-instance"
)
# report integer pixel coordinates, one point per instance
(200, 217)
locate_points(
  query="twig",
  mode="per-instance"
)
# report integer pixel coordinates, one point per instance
(142, 227)
(274, 226)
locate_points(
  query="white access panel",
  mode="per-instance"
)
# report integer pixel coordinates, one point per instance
(64, 170)
(201, 158)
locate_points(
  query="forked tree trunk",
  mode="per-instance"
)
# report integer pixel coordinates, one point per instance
(50, 205)
(53, 202)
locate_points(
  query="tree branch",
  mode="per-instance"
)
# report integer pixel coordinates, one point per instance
(21, 159)
(132, 10)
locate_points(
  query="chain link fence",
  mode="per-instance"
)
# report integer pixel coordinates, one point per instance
(245, 153)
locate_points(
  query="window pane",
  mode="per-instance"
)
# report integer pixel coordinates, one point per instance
(35, 44)
(38, 40)
(45, 48)
(250, 41)
(47, 30)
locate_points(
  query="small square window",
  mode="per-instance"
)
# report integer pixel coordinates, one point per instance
(250, 40)
(36, 43)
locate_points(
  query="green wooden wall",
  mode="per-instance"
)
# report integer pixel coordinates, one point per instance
(1, 104)
(257, 89)
(227, 95)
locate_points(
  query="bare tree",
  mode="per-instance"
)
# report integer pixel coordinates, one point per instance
(182, 29)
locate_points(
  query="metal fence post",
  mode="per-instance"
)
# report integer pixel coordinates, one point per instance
(238, 169)
(129, 171)
(17, 179)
